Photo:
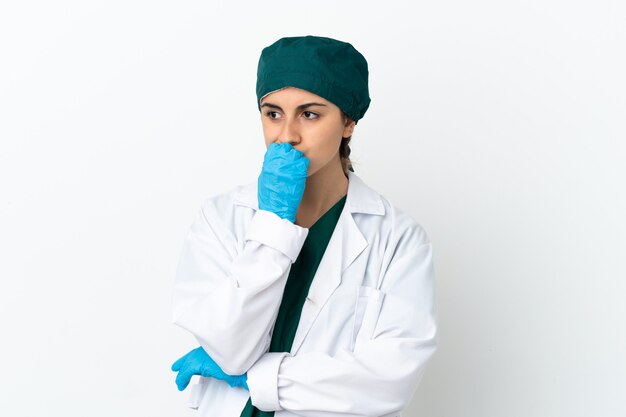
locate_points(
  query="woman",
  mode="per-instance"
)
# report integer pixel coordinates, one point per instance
(309, 293)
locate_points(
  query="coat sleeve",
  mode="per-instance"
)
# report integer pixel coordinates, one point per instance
(381, 374)
(229, 298)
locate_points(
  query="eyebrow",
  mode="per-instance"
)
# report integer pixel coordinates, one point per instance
(300, 107)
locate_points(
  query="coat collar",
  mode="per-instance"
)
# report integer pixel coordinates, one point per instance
(345, 245)
(360, 199)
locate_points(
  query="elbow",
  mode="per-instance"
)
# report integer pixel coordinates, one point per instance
(235, 368)
(410, 374)
(236, 358)
(235, 364)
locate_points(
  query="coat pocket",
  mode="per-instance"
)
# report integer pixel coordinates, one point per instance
(368, 304)
(196, 393)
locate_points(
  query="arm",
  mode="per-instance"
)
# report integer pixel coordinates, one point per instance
(229, 300)
(380, 376)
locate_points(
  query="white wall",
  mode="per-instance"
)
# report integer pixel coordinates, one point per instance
(499, 125)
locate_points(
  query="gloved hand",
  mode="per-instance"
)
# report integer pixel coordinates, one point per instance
(198, 362)
(282, 180)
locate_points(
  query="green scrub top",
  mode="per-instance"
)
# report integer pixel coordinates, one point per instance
(297, 288)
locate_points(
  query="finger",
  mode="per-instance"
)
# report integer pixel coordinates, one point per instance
(207, 371)
(296, 155)
(176, 365)
(301, 164)
(274, 151)
(293, 156)
(286, 150)
(281, 147)
(182, 379)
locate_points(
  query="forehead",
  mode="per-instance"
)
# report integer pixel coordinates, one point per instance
(292, 94)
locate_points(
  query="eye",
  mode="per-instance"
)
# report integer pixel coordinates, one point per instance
(310, 112)
(269, 114)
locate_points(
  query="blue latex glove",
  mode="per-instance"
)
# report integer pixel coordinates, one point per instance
(282, 180)
(198, 362)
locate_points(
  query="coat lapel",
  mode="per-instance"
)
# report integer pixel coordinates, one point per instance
(346, 243)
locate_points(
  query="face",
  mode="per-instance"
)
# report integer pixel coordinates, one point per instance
(313, 125)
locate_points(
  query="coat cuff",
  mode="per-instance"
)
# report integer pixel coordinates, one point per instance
(269, 229)
(263, 381)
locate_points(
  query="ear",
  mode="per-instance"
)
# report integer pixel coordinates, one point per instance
(348, 128)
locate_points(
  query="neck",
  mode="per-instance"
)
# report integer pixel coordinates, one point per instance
(323, 189)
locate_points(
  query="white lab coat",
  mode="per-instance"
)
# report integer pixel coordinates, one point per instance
(368, 326)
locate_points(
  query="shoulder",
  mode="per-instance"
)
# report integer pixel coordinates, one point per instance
(399, 247)
(385, 221)
(380, 217)
(402, 224)
(223, 199)
(221, 206)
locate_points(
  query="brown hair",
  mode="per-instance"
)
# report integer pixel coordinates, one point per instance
(344, 149)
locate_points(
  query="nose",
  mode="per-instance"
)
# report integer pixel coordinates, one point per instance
(289, 133)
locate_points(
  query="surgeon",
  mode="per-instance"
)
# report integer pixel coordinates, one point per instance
(278, 331)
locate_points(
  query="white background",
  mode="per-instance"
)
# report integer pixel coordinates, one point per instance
(499, 125)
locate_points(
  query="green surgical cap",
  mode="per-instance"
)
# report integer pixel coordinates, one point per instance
(329, 68)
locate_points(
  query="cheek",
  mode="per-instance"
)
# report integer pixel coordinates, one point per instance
(268, 135)
(321, 154)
